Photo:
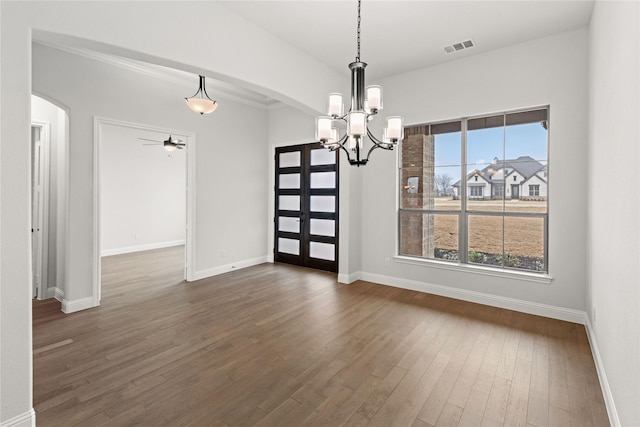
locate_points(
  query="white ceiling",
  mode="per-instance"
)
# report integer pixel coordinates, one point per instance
(399, 36)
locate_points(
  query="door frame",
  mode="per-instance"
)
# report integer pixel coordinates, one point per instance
(40, 288)
(190, 196)
(304, 259)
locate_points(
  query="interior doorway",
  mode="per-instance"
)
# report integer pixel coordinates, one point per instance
(142, 195)
(306, 206)
(49, 183)
(39, 208)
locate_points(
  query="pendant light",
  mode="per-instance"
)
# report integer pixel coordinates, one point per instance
(200, 101)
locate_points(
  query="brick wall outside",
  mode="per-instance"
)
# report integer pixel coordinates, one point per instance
(417, 229)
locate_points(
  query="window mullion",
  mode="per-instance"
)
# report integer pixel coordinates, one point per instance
(463, 237)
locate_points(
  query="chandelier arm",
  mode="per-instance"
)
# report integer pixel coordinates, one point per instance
(377, 143)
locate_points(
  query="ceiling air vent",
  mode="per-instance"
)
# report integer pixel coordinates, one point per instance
(459, 46)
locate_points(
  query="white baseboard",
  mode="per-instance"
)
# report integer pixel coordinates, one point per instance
(28, 419)
(348, 278)
(203, 274)
(52, 292)
(58, 294)
(140, 248)
(602, 376)
(560, 313)
(77, 305)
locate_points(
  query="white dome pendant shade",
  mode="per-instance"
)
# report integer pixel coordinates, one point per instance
(200, 101)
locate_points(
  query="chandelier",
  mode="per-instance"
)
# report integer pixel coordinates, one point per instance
(365, 103)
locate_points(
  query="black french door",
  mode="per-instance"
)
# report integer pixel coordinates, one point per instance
(306, 216)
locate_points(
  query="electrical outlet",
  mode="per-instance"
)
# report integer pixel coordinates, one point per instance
(137, 237)
(387, 261)
(223, 253)
(593, 314)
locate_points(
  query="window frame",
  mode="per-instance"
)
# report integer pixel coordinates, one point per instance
(463, 264)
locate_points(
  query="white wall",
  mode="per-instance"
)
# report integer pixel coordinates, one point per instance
(613, 226)
(550, 71)
(143, 191)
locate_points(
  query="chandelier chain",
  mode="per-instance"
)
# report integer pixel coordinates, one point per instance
(358, 55)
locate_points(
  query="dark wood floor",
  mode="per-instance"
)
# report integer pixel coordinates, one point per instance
(284, 346)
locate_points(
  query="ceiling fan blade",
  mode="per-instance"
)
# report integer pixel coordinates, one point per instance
(153, 140)
(157, 143)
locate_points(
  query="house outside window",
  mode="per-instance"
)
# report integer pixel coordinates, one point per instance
(463, 212)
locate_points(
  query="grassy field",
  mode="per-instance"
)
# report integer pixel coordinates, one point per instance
(522, 236)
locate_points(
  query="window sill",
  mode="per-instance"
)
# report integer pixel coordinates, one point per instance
(476, 269)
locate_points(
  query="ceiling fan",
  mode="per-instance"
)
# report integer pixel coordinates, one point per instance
(170, 144)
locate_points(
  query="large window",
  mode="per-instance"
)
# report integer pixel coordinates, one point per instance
(474, 191)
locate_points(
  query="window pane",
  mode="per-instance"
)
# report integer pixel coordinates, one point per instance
(485, 239)
(485, 168)
(323, 204)
(289, 203)
(289, 159)
(322, 227)
(447, 149)
(322, 156)
(289, 224)
(430, 168)
(526, 157)
(429, 235)
(322, 251)
(524, 243)
(289, 180)
(323, 180)
(289, 246)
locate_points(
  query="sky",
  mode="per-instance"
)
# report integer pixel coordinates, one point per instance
(485, 144)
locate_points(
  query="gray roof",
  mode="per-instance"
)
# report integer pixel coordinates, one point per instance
(524, 165)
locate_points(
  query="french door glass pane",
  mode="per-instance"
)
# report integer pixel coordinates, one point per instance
(322, 157)
(288, 246)
(289, 224)
(322, 251)
(323, 204)
(322, 227)
(290, 159)
(289, 203)
(289, 180)
(323, 180)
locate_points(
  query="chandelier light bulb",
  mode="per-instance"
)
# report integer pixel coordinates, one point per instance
(373, 98)
(323, 128)
(335, 105)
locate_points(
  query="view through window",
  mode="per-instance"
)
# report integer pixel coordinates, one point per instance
(475, 191)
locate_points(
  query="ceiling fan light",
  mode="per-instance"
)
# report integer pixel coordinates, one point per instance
(170, 147)
(201, 105)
